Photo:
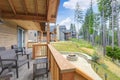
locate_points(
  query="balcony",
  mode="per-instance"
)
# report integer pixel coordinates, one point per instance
(60, 68)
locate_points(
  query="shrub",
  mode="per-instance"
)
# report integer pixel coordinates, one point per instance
(113, 53)
(109, 51)
(95, 58)
(104, 65)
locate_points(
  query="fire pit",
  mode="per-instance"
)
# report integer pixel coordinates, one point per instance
(72, 57)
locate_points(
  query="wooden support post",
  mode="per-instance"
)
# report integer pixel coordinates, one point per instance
(48, 33)
(41, 36)
(33, 55)
(0, 13)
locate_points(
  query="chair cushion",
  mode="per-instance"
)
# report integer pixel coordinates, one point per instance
(8, 54)
(2, 48)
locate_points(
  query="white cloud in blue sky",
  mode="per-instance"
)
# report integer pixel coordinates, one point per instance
(66, 22)
(66, 10)
(84, 4)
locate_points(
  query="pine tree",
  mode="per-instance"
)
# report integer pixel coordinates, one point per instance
(78, 16)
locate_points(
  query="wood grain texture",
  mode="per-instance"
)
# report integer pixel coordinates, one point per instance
(8, 35)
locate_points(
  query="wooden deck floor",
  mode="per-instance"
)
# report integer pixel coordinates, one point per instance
(27, 74)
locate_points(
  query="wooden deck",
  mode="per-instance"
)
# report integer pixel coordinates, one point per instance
(27, 74)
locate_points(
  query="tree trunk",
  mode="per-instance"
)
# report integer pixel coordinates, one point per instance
(118, 35)
(118, 30)
(104, 34)
(108, 41)
(112, 26)
(88, 38)
(93, 38)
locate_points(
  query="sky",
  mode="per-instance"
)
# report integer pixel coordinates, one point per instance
(66, 11)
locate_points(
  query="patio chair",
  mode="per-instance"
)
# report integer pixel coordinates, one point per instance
(6, 75)
(27, 51)
(9, 56)
(40, 68)
(17, 49)
(22, 50)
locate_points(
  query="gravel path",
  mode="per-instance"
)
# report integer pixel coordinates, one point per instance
(85, 67)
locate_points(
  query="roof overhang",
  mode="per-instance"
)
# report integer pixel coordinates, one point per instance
(29, 10)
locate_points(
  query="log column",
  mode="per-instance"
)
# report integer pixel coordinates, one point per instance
(48, 33)
(41, 36)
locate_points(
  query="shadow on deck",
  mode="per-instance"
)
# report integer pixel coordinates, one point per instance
(27, 74)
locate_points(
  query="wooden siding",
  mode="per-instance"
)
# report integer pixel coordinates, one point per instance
(8, 35)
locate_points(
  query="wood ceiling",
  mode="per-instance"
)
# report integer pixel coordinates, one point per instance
(29, 10)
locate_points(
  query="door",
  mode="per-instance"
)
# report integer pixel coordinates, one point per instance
(21, 37)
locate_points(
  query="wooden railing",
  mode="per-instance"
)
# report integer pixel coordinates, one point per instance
(39, 50)
(30, 44)
(60, 68)
(80, 75)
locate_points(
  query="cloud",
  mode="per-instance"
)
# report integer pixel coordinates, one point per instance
(66, 22)
(84, 4)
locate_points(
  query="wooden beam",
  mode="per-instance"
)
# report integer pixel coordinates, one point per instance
(12, 6)
(49, 8)
(52, 20)
(37, 25)
(24, 17)
(57, 6)
(36, 7)
(47, 2)
(50, 5)
(24, 6)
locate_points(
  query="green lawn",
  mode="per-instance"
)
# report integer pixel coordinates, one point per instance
(66, 46)
(73, 46)
(85, 47)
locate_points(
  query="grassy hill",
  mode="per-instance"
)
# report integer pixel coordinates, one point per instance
(111, 69)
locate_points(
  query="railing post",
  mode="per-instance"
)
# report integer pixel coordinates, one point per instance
(33, 55)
